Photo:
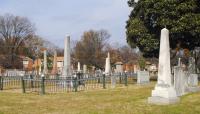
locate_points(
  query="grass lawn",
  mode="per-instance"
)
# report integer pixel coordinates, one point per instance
(122, 100)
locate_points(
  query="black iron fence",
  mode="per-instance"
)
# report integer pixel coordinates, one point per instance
(80, 82)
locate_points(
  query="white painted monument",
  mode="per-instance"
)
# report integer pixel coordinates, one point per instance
(107, 66)
(143, 77)
(108, 71)
(67, 64)
(79, 67)
(164, 92)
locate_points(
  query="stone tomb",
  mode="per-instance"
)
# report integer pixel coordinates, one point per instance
(143, 77)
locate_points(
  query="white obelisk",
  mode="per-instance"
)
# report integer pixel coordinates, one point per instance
(67, 66)
(79, 67)
(164, 92)
(107, 66)
(45, 70)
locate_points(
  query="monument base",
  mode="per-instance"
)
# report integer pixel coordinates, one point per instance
(163, 94)
(162, 101)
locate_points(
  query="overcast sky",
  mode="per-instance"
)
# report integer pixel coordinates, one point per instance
(54, 19)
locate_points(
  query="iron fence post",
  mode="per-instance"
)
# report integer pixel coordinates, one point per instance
(31, 77)
(23, 85)
(1, 83)
(75, 84)
(126, 80)
(104, 81)
(42, 86)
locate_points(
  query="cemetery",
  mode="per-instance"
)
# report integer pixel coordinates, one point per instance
(156, 71)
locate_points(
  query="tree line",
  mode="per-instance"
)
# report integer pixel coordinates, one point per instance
(18, 38)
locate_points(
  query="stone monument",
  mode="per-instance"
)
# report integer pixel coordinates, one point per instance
(108, 71)
(164, 92)
(79, 67)
(193, 77)
(67, 64)
(180, 80)
(54, 69)
(45, 70)
(107, 66)
(84, 69)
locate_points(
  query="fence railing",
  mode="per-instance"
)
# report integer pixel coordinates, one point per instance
(80, 82)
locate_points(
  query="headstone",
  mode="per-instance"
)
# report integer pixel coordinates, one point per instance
(119, 68)
(79, 67)
(164, 92)
(45, 71)
(191, 66)
(54, 69)
(192, 77)
(193, 80)
(84, 69)
(180, 81)
(143, 77)
(67, 64)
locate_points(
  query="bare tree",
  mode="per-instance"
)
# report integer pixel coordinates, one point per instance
(89, 50)
(14, 31)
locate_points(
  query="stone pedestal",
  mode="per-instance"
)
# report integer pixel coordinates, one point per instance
(143, 77)
(164, 92)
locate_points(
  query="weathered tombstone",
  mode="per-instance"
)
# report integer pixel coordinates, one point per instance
(193, 77)
(164, 92)
(143, 77)
(180, 80)
(84, 69)
(119, 68)
(67, 64)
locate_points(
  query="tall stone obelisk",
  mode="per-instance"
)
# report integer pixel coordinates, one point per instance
(164, 92)
(67, 63)
(107, 66)
(79, 67)
(54, 69)
(45, 70)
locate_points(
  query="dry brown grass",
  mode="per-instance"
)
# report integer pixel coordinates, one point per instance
(122, 100)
